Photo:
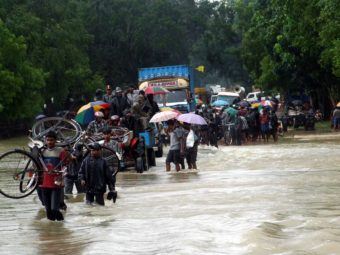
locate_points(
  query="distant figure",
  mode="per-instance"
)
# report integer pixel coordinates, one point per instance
(264, 122)
(153, 104)
(98, 95)
(336, 118)
(119, 103)
(273, 125)
(130, 96)
(108, 97)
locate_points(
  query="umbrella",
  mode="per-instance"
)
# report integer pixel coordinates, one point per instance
(164, 116)
(86, 113)
(156, 90)
(266, 103)
(244, 104)
(231, 111)
(220, 103)
(166, 109)
(192, 118)
(255, 105)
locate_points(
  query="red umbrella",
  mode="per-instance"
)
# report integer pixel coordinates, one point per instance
(156, 90)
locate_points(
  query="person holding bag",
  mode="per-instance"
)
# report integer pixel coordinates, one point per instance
(191, 149)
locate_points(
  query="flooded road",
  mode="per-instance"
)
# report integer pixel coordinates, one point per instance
(260, 199)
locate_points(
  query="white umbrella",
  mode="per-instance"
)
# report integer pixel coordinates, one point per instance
(164, 116)
(192, 118)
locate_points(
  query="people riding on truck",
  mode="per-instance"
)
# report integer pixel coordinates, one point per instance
(119, 103)
(96, 125)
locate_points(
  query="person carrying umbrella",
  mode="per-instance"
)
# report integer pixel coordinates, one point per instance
(192, 141)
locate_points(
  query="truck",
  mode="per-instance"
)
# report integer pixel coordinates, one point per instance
(180, 80)
(213, 90)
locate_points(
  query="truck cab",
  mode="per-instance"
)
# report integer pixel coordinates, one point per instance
(230, 97)
(178, 80)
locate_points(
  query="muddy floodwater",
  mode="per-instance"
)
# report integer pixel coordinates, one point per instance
(259, 199)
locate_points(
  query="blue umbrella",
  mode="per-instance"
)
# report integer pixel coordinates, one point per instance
(220, 103)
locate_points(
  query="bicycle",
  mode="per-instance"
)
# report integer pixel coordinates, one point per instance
(68, 130)
(21, 170)
(227, 133)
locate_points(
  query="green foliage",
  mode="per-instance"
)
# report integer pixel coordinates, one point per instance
(20, 82)
(292, 44)
(72, 47)
(219, 46)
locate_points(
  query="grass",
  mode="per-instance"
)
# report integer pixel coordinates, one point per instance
(323, 126)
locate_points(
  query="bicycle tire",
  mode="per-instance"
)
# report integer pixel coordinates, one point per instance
(58, 124)
(227, 138)
(13, 182)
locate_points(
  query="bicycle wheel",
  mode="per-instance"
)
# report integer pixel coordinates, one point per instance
(227, 138)
(111, 158)
(67, 130)
(19, 173)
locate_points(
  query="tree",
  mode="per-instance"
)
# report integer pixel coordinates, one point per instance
(20, 81)
(219, 46)
(282, 47)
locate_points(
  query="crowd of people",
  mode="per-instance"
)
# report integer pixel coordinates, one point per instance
(92, 175)
(244, 124)
(127, 109)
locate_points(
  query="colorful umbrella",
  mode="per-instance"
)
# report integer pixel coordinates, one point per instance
(266, 103)
(218, 103)
(86, 113)
(255, 105)
(156, 90)
(164, 116)
(192, 118)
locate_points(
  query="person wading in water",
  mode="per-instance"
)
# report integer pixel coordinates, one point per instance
(52, 178)
(94, 175)
(176, 145)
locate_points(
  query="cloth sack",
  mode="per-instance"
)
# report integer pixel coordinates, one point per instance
(190, 139)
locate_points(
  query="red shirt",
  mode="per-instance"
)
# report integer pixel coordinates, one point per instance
(264, 119)
(53, 159)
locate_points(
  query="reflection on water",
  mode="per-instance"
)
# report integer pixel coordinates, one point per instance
(262, 199)
(55, 238)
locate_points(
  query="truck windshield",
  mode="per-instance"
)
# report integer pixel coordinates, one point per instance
(229, 99)
(172, 97)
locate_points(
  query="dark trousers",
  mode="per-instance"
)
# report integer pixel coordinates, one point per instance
(90, 197)
(69, 182)
(39, 192)
(52, 199)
